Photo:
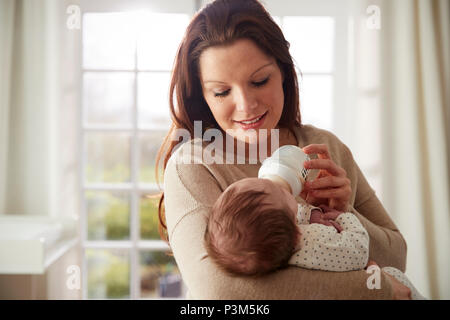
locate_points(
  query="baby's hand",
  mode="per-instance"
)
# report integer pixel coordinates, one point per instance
(319, 217)
(330, 214)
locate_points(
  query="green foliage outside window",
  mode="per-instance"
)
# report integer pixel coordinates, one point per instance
(108, 216)
(108, 276)
(111, 173)
(149, 218)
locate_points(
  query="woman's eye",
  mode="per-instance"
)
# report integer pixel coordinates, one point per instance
(261, 83)
(221, 94)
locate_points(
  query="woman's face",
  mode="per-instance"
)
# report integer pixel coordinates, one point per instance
(243, 88)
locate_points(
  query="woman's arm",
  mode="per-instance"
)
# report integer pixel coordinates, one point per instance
(205, 281)
(387, 245)
(190, 190)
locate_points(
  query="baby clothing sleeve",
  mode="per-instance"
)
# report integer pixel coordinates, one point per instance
(323, 248)
(304, 213)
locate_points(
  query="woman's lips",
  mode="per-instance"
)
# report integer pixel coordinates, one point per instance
(252, 124)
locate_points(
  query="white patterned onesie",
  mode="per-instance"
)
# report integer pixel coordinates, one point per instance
(322, 248)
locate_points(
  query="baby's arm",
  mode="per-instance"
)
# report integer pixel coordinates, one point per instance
(323, 248)
(308, 214)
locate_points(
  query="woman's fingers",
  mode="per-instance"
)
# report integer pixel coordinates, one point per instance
(320, 149)
(330, 186)
(325, 164)
(401, 292)
(331, 192)
(327, 182)
(331, 183)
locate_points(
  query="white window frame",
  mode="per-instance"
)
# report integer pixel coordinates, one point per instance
(346, 90)
(134, 245)
(340, 72)
(343, 103)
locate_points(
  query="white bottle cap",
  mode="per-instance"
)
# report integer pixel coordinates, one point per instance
(273, 168)
(287, 163)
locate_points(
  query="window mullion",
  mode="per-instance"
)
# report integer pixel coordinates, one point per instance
(81, 183)
(134, 255)
(341, 110)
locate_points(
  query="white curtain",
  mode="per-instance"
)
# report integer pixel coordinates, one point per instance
(416, 142)
(29, 94)
(6, 50)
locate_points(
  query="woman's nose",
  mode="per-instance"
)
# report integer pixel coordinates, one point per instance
(245, 101)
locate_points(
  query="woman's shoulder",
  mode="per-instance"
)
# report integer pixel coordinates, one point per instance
(187, 178)
(308, 134)
(186, 152)
(197, 162)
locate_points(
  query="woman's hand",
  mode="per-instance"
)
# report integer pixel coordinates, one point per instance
(331, 187)
(401, 292)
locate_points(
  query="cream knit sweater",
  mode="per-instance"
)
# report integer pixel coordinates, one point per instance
(191, 190)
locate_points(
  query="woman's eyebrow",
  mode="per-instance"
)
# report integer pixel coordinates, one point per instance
(260, 68)
(266, 65)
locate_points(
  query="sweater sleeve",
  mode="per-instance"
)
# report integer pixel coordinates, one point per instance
(387, 246)
(323, 248)
(190, 190)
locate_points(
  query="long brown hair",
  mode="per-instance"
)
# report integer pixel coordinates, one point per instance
(220, 23)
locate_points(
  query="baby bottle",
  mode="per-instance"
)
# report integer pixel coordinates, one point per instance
(286, 163)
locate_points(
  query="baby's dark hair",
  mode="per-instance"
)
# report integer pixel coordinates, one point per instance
(246, 236)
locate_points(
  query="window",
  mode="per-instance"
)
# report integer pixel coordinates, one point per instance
(126, 65)
(313, 54)
(338, 60)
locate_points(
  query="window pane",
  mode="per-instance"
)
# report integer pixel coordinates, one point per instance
(109, 41)
(149, 144)
(108, 215)
(367, 58)
(316, 101)
(108, 157)
(160, 277)
(367, 119)
(153, 100)
(108, 98)
(108, 274)
(159, 36)
(312, 41)
(149, 217)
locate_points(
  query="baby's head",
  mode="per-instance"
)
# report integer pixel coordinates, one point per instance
(252, 229)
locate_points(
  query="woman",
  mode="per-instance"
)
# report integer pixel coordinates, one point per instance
(233, 72)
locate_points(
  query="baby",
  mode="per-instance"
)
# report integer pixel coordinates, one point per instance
(257, 226)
